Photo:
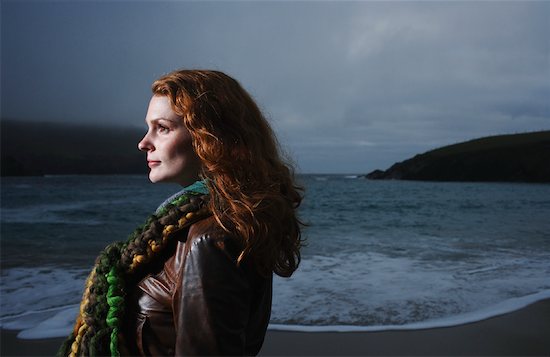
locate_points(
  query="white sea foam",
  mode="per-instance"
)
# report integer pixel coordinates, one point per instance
(58, 325)
(370, 289)
(48, 323)
(41, 302)
(461, 319)
(61, 323)
(344, 292)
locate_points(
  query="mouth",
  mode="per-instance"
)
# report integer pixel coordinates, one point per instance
(152, 163)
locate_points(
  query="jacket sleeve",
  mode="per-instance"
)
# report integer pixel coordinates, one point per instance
(211, 302)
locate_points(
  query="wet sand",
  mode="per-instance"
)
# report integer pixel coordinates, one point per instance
(525, 332)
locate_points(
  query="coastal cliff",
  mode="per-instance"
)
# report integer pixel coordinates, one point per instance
(35, 148)
(504, 158)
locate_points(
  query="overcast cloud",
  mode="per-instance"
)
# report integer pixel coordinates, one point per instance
(348, 86)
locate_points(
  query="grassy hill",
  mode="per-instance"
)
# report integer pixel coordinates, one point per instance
(513, 158)
(34, 148)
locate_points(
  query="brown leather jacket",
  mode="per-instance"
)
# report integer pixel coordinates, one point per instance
(200, 302)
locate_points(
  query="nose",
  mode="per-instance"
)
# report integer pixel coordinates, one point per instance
(145, 144)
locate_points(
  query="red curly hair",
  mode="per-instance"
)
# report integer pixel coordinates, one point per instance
(254, 195)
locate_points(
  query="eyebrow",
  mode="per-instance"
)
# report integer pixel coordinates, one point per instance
(162, 118)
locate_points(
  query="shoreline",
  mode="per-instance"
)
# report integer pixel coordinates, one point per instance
(521, 332)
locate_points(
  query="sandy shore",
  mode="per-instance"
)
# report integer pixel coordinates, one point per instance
(520, 333)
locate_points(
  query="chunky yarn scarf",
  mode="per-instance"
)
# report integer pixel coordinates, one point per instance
(97, 331)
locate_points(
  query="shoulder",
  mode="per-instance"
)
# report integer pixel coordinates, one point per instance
(207, 237)
(207, 227)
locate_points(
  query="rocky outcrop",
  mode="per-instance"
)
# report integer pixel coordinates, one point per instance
(504, 158)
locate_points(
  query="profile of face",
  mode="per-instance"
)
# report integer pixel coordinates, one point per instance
(168, 144)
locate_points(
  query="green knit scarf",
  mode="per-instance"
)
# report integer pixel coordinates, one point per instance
(97, 331)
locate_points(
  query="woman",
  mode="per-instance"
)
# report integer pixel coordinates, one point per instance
(196, 278)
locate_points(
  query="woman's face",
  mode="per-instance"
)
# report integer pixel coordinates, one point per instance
(168, 145)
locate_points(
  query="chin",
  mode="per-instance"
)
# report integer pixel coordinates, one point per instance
(154, 178)
(161, 178)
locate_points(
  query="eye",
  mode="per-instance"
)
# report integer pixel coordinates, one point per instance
(162, 129)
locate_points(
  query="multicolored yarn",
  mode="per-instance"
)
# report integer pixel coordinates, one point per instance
(97, 331)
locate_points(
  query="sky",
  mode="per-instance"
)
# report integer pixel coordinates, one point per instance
(349, 87)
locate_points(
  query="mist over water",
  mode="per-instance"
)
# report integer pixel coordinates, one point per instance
(378, 253)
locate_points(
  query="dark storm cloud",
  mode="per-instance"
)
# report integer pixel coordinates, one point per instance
(348, 86)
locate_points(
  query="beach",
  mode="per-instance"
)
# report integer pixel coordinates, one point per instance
(525, 332)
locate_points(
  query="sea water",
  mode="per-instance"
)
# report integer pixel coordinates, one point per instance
(378, 254)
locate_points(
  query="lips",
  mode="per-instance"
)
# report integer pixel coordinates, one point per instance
(153, 163)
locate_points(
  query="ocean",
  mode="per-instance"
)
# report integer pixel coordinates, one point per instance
(378, 255)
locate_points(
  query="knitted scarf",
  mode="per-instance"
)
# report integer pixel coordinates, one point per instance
(121, 265)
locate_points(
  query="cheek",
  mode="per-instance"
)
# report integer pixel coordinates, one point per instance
(183, 153)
